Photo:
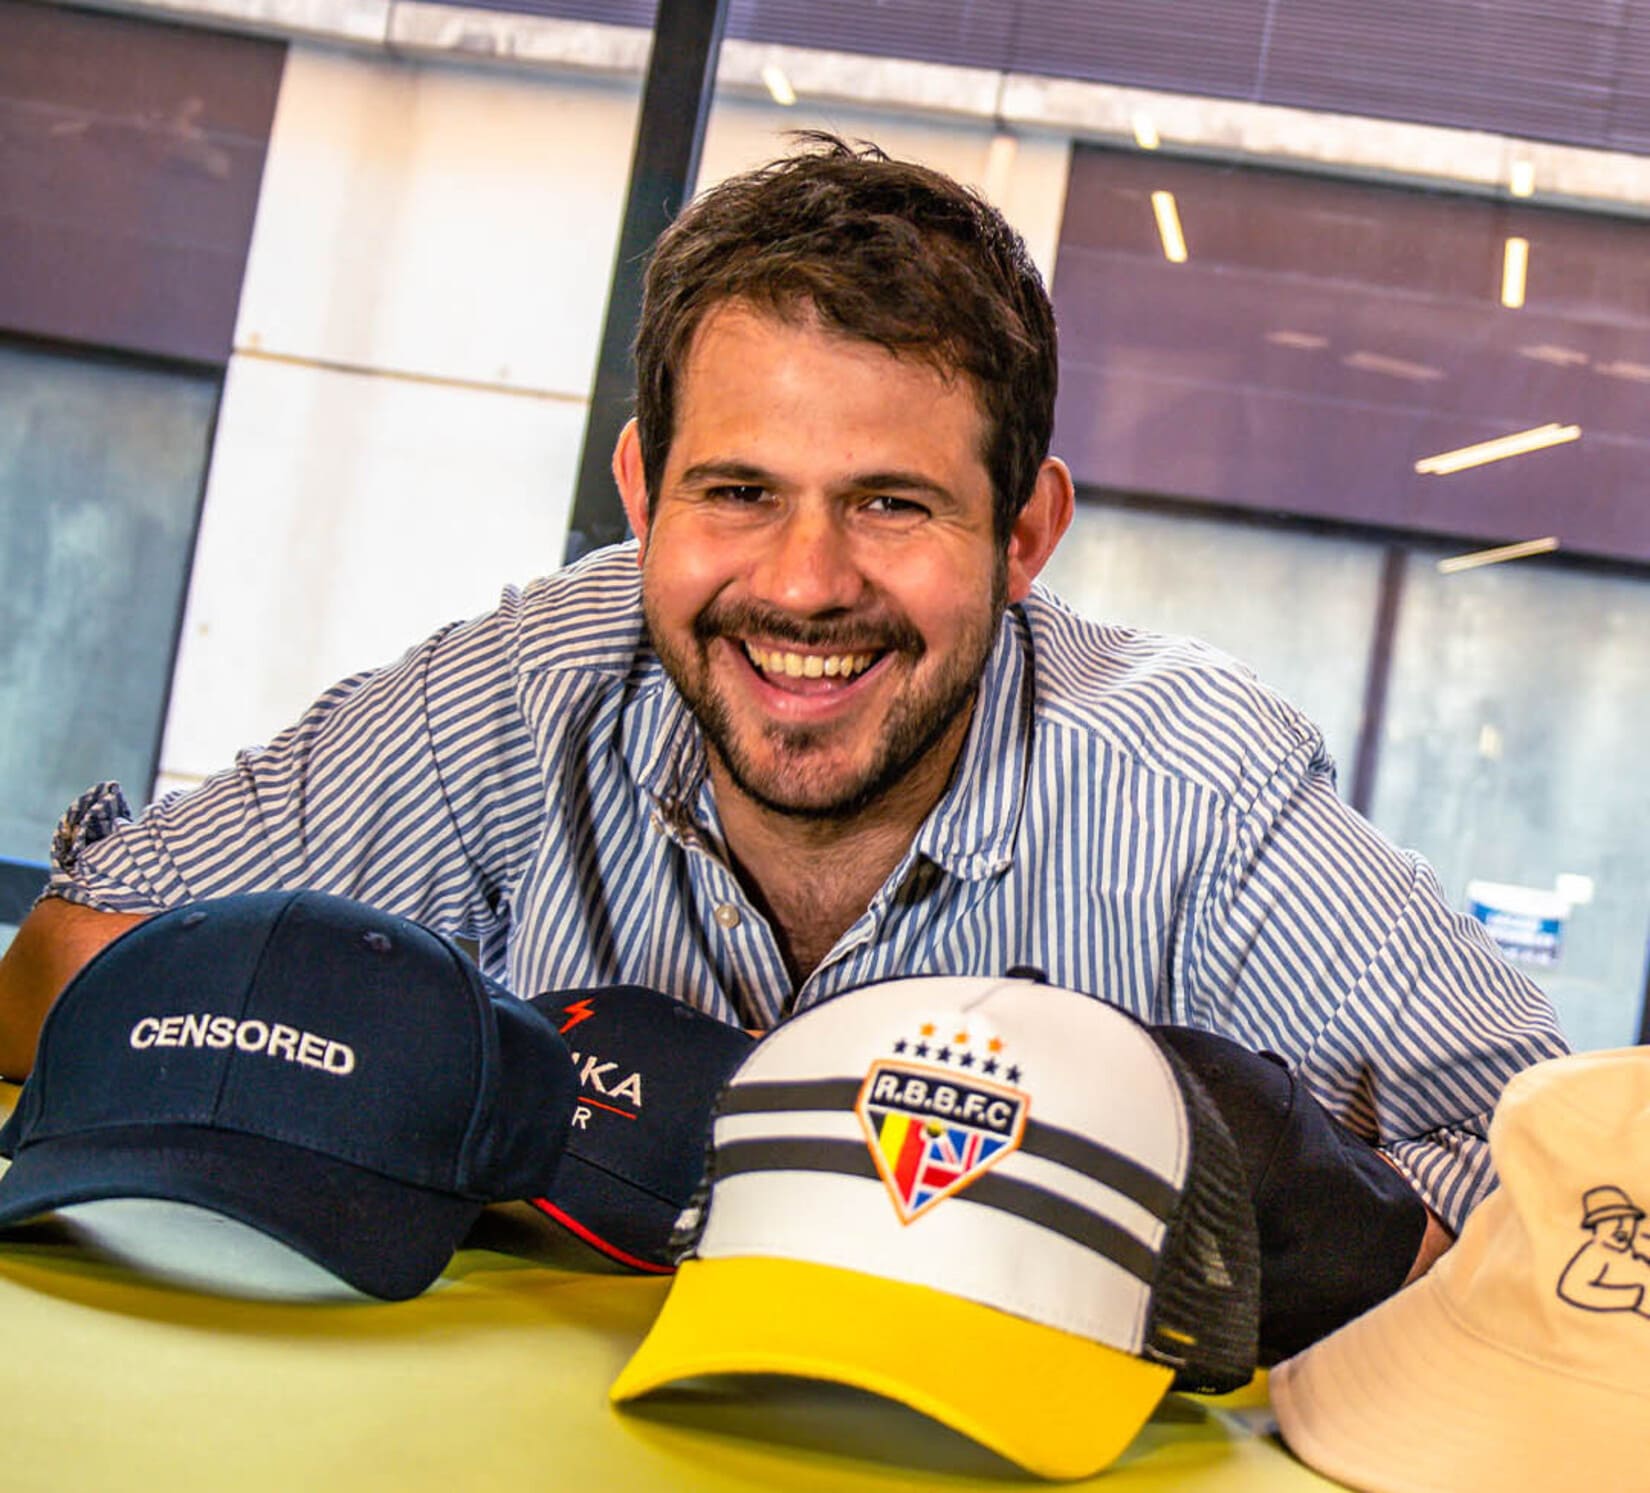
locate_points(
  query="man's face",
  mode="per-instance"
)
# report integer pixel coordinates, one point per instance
(820, 575)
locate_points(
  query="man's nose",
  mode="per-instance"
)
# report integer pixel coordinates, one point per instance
(808, 562)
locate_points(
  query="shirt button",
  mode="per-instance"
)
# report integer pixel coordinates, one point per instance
(727, 915)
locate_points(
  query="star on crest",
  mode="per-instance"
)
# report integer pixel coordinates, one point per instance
(964, 1050)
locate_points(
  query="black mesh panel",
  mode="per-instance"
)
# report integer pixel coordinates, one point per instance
(1206, 1301)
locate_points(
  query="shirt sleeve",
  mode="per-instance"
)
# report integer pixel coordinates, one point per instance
(1317, 938)
(401, 787)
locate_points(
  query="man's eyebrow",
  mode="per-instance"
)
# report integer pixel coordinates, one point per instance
(897, 482)
(726, 471)
(746, 474)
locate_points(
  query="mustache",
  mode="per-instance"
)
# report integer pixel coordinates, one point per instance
(876, 633)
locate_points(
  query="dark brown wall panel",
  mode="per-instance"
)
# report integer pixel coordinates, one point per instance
(130, 158)
(1323, 336)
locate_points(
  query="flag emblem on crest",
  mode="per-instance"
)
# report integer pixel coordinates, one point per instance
(932, 1132)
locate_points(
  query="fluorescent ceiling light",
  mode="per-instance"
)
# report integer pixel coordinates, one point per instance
(1515, 262)
(1496, 556)
(1521, 179)
(1497, 450)
(1307, 341)
(1638, 372)
(779, 86)
(1145, 132)
(1559, 357)
(1368, 362)
(1168, 227)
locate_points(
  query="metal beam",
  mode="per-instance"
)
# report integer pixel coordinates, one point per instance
(675, 103)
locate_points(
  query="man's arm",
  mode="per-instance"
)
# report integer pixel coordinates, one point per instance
(52, 944)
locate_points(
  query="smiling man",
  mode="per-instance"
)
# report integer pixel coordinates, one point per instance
(823, 581)
(819, 727)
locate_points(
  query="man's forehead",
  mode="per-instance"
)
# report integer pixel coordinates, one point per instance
(798, 313)
(767, 399)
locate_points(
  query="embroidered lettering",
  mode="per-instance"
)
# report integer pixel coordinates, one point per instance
(271, 1039)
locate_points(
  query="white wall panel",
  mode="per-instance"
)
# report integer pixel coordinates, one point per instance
(346, 518)
(438, 220)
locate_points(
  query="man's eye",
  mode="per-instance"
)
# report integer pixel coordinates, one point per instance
(884, 504)
(739, 492)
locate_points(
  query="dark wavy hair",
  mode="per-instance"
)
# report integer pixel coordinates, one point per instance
(886, 251)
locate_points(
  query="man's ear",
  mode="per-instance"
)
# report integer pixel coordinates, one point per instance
(1038, 527)
(631, 481)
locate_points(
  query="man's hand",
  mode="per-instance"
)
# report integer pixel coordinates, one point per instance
(52, 944)
(1433, 1243)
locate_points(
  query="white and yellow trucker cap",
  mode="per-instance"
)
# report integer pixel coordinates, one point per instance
(1001, 1203)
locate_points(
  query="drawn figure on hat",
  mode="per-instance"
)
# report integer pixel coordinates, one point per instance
(1608, 1273)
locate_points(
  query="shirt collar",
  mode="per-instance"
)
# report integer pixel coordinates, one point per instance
(665, 744)
(970, 832)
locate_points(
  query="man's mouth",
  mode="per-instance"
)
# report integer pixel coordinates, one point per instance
(783, 662)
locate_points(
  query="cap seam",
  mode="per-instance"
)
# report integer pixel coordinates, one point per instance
(1265, 1179)
(485, 1102)
(269, 935)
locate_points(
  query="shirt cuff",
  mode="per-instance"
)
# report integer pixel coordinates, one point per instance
(94, 816)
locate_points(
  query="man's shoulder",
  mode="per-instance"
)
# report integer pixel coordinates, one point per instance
(1174, 704)
(585, 617)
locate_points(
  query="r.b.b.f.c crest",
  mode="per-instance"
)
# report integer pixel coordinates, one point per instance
(932, 1131)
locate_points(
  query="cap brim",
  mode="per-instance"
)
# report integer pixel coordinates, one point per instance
(1407, 1399)
(389, 1239)
(1059, 1405)
(625, 1222)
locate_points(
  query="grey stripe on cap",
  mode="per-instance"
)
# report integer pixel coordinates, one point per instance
(990, 1190)
(1089, 1158)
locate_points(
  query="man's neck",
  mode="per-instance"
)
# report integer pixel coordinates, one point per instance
(815, 877)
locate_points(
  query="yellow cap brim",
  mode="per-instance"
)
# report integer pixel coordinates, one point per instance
(1057, 1404)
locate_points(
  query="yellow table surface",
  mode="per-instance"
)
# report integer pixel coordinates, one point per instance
(496, 1377)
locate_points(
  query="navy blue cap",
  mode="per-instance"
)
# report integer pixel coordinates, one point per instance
(650, 1070)
(1339, 1226)
(345, 1081)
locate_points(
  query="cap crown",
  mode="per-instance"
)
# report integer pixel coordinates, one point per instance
(317, 1022)
(1017, 1145)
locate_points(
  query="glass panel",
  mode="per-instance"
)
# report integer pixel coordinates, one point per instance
(1294, 605)
(101, 467)
(1513, 755)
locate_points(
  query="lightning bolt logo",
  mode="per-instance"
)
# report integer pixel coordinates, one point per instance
(580, 1010)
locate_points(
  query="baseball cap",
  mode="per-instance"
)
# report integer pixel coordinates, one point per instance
(1339, 1226)
(1517, 1361)
(345, 1081)
(1004, 1204)
(649, 1070)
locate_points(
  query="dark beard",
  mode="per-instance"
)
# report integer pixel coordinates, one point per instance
(913, 728)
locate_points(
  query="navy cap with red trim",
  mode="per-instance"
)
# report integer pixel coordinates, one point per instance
(649, 1071)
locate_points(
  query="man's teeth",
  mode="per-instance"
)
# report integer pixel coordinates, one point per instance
(809, 665)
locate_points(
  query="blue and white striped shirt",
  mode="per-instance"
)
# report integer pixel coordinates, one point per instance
(1134, 815)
